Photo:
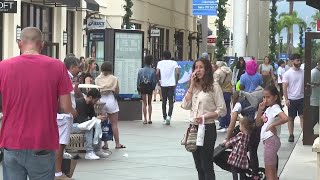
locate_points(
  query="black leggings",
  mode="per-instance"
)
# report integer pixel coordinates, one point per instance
(236, 172)
(203, 157)
(253, 150)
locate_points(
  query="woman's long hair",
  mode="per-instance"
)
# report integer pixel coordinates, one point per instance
(238, 66)
(88, 64)
(207, 83)
(274, 92)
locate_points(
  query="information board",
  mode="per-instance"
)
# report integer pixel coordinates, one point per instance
(127, 62)
(204, 7)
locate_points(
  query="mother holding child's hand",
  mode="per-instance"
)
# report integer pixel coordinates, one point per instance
(204, 98)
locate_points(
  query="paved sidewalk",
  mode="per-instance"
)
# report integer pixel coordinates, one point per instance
(154, 152)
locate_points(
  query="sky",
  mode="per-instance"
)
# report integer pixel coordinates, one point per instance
(304, 12)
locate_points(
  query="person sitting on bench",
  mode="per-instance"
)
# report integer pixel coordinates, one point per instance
(85, 108)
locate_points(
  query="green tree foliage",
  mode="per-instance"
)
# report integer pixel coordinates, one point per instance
(315, 18)
(302, 29)
(127, 16)
(288, 21)
(222, 30)
(273, 31)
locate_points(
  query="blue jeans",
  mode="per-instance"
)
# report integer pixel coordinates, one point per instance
(225, 121)
(20, 164)
(89, 138)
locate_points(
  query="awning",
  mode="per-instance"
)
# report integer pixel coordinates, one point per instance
(314, 4)
(92, 5)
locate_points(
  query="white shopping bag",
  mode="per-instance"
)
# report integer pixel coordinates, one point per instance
(85, 126)
(201, 132)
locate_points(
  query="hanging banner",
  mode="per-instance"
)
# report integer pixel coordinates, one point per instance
(185, 68)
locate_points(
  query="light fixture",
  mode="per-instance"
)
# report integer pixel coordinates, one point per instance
(18, 33)
(65, 38)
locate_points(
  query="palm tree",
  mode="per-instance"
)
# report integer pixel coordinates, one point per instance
(288, 21)
(315, 18)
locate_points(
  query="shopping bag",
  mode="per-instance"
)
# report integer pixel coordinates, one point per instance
(88, 125)
(201, 132)
(107, 134)
(68, 166)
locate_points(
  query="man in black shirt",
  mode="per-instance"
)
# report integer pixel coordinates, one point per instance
(85, 108)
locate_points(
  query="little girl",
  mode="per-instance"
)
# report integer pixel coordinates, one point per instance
(271, 120)
(238, 158)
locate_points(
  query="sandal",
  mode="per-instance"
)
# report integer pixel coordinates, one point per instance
(121, 147)
(150, 122)
(145, 122)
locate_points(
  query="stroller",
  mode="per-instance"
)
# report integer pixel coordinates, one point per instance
(220, 158)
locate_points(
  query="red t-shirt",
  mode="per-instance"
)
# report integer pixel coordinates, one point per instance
(30, 86)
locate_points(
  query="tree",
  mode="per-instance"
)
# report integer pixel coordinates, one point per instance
(222, 30)
(273, 30)
(288, 21)
(315, 18)
(127, 16)
(302, 29)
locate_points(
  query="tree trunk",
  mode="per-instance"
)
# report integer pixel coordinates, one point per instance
(288, 41)
(290, 35)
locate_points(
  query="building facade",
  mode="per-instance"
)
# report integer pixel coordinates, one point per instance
(63, 23)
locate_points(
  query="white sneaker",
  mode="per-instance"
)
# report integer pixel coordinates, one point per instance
(168, 120)
(67, 156)
(222, 130)
(102, 154)
(91, 156)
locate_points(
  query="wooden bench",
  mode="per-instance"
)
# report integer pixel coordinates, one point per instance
(77, 141)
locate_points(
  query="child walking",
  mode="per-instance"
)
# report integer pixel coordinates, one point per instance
(271, 119)
(238, 158)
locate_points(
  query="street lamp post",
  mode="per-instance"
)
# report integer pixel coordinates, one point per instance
(281, 40)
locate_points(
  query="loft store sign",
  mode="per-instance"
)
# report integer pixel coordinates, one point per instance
(8, 6)
(96, 24)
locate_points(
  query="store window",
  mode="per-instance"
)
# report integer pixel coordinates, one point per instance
(137, 26)
(70, 31)
(33, 15)
(157, 47)
(167, 38)
(179, 45)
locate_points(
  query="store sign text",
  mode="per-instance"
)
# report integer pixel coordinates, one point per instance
(96, 24)
(8, 6)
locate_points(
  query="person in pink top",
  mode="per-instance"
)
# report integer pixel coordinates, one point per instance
(33, 86)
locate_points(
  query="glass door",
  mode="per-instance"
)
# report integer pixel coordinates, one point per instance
(312, 88)
(51, 49)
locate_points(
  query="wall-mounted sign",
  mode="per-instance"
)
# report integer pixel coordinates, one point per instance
(8, 6)
(96, 37)
(96, 24)
(211, 40)
(155, 33)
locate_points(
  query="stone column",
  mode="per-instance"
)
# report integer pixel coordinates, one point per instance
(253, 28)
(79, 33)
(10, 23)
(60, 23)
(264, 29)
(239, 27)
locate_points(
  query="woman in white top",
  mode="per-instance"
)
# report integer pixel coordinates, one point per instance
(271, 119)
(266, 70)
(109, 87)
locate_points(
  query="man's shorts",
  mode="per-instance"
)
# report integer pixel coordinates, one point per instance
(295, 108)
(65, 126)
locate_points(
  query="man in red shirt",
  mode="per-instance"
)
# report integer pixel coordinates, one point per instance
(32, 86)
